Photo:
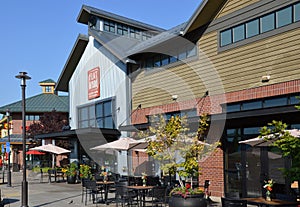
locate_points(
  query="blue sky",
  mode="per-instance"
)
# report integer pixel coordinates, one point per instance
(37, 36)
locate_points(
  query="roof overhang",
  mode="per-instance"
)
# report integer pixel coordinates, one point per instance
(71, 64)
(205, 13)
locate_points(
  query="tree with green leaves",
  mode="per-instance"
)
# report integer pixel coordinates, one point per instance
(177, 148)
(289, 145)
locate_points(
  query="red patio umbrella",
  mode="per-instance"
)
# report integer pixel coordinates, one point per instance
(35, 152)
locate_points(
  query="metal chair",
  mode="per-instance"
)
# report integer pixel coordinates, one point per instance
(92, 190)
(124, 196)
(158, 196)
(231, 202)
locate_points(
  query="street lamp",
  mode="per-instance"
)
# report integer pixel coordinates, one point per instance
(8, 150)
(23, 76)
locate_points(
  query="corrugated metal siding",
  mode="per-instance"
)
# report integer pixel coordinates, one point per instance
(234, 5)
(112, 82)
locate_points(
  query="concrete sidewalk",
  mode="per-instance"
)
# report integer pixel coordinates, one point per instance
(44, 194)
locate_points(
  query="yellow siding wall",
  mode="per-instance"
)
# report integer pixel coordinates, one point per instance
(234, 5)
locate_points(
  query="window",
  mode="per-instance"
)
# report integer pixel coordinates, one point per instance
(252, 105)
(135, 33)
(282, 101)
(226, 37)
(86, 116)
(159, 60)
(233, 107)
(297, 12)
(261, 24)
(122, 29)
(109, 26)
(267, 23)
(104, 115)
(48, 89)
(32, 117)
(284, 17)
(252, 28)
(238, 33)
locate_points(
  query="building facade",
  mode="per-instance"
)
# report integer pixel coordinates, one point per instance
(36, 106)
(244, 53)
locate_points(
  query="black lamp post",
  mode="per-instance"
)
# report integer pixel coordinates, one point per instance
(8, 136)
(23, 76)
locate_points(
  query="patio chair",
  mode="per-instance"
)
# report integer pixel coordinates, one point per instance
(231, 202)
(158, 196)
(125, 196)
(92, 190)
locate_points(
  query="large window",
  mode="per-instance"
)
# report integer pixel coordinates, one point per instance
(271, 21)
(160, 60)
(263, 103)
(97, 115)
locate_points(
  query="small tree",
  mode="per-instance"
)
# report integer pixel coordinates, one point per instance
(176, 148)
(289, 145)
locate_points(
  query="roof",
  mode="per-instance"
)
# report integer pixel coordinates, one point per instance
(14, 139)
(201, 17)
(205, 13)
(71, 63)
(39, 104)
(87, 11)
(48, 81)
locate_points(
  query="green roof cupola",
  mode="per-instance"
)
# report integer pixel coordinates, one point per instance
(48, 86)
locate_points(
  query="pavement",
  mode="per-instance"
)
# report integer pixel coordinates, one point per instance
(41, 193)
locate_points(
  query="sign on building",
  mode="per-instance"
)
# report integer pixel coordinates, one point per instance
(94, 83)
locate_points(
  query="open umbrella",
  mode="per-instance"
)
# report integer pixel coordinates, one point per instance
(123, 144)
(55, 150)
(51, 148)
(263, 142)
(35, 152)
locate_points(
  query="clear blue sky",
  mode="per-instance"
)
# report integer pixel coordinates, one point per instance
(37, 36)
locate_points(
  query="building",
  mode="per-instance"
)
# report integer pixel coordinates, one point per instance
(96, 78)
(236, 60)
(36, 106)
(244, 54)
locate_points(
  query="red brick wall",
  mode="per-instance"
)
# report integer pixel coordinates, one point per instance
(211, 104)
(212, 170)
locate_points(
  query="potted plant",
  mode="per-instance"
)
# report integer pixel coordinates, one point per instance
(85, 171)
(178, 151)
(71, 172)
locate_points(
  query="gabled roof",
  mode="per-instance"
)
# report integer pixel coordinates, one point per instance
(71, 63)
(87, 11)
(39, 104)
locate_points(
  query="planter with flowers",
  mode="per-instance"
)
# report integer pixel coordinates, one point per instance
(85, 171)
(71, 172)
(179, 150)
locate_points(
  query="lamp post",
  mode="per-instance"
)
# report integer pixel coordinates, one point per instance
(8, 150)
(23, 77)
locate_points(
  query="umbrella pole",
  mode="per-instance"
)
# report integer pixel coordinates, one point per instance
(52, 160)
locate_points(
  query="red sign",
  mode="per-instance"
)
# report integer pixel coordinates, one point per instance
(94, 83)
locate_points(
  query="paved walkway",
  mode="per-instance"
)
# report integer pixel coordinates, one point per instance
(44, 194)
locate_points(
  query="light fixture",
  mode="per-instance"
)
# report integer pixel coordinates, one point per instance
(23, 77)
(265, 78)
(174, 97)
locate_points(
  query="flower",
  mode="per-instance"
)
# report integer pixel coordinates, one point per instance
(144, 176)
(85, 171)
(269, 185)
(71, 170)
(186, 191)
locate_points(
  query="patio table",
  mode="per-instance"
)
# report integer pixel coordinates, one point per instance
(260, 201)
(141, 190)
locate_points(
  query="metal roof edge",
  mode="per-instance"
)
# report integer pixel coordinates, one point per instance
(74, 57)
(86, 11)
